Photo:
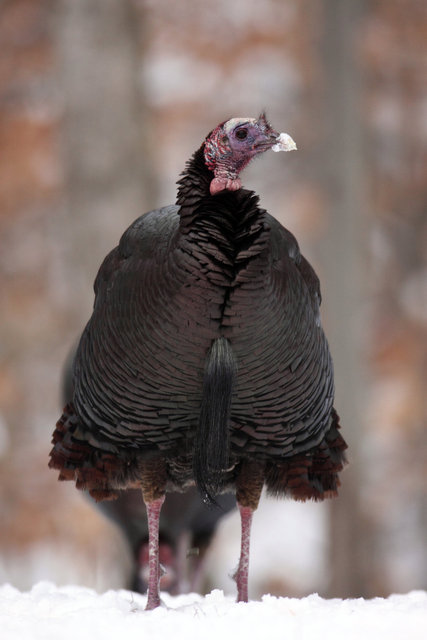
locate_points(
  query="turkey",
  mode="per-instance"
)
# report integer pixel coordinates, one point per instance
(204, 362)
(187, 527)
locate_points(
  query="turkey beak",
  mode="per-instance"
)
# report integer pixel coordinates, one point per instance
(267, 139)
(272, 138)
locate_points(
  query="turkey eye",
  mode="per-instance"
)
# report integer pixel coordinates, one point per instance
(241, 134)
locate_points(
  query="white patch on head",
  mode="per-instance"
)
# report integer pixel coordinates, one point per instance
(235, 122)
(284, 143)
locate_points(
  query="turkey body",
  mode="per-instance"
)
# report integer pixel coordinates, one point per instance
(211, 271)
(162, 297)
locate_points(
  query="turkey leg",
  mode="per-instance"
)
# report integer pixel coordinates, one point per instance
(248, 491)
(241, 575)
(153, 484)
(154, 574)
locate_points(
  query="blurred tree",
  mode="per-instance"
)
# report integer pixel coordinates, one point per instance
(343, 263)
(106, 128)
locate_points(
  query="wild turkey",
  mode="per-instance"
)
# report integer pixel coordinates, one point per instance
(186, 529)
(204, 361)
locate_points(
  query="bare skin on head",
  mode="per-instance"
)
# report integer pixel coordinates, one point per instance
(233, 144)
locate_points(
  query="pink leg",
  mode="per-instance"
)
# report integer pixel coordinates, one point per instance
(153, 515)
(241, 575)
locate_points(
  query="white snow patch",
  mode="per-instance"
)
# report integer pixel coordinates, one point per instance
(48, 612)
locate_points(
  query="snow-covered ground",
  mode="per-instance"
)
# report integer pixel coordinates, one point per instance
(48, 612)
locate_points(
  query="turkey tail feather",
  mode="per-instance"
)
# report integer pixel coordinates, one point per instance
(211, 451)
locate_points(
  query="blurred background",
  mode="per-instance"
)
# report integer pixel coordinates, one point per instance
(101, 104)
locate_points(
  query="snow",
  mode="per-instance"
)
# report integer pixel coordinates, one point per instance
(48, 612)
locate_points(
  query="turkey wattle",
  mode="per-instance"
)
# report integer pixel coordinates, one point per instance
(204, 361)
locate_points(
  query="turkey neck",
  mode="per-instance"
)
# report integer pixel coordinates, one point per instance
(226, 226)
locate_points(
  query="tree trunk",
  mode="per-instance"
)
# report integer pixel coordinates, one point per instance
(345, 251)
